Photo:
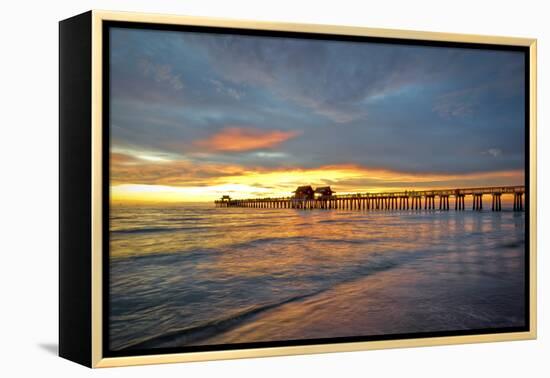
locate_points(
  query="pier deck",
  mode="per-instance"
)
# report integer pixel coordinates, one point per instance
(405, 200)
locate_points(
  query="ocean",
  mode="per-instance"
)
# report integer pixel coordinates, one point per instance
(193, 274)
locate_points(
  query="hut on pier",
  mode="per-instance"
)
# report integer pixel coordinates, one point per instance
(324, 192)
(304, 193)
(226, 198)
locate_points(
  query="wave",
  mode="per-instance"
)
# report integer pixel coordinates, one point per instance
(512, 245)
(251, 225)
(179, 219)
(155, 230)
(268, 240)
(149, 230)
(284, 239)
(334, 221)
(344, 221)
(346, 241)
(198, 252)
(194, 334)
(202, 251)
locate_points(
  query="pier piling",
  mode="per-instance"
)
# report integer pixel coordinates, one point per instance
(391, 201)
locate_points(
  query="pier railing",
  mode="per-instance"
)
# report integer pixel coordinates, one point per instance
(402, 200)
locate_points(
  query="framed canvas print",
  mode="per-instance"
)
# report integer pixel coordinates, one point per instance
(236, 189)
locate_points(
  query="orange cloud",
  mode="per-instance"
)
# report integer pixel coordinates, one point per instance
(118, 159)
(235, 139)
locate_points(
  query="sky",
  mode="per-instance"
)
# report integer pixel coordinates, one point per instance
(194, 116)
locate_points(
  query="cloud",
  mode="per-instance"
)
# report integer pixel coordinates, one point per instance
(330, 79)
(225, 89)
(127, 169)
(187, 177)
(236, 139)
(494, 152)
(118, 159)
(466, 101)
(459, 103)
(161, 73)
(270, 155)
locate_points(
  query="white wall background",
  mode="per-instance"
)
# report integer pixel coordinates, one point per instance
(28, 187)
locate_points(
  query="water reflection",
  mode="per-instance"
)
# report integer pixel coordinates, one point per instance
(201, 275)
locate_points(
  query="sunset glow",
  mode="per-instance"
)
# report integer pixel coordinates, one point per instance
(162, 182)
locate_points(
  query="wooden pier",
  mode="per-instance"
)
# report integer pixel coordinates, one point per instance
(305, 198)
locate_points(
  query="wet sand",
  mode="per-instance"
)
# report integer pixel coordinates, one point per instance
(391, 302)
